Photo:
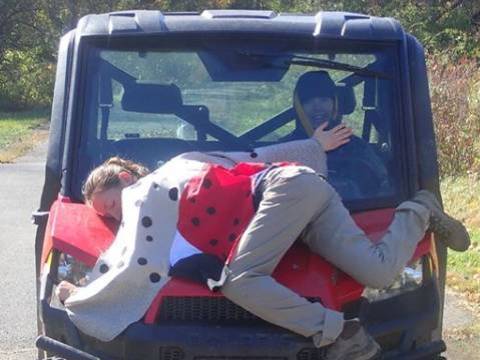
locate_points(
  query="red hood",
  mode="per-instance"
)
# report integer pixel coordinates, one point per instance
(75, 229)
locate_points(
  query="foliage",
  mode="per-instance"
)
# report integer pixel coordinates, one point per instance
(26, 80)
(455, 94)
(30, 29)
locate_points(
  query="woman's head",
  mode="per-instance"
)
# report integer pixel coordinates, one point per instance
(316, 92)
(103, 188)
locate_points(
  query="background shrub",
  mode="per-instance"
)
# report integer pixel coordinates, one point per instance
(26, 81)
(455, 94)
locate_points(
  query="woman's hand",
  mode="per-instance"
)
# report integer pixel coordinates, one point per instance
(64, 290)
(333, 138)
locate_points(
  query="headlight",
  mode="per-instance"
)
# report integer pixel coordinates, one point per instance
(409, 279)
(72, 270)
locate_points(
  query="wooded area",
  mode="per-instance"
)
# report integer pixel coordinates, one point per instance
(30, 31)
(450, 31)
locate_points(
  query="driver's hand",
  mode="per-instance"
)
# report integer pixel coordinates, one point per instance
(333, 138)
(64, 290)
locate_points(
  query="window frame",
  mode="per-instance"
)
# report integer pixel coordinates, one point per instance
(398, 129)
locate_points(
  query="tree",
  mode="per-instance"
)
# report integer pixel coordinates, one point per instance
(14, 22)
(30, 30)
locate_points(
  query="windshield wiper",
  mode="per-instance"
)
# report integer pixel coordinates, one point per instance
(284, 60)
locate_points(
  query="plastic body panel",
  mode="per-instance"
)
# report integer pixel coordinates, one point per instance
(324, 24)
(76, 230)
(202, 340)
(426, 154)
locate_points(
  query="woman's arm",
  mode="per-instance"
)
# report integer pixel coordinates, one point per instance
(308, 152)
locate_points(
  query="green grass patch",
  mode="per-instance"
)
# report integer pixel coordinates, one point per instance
(463, 269)
(467, 263)
(462, 200)
(19, 132)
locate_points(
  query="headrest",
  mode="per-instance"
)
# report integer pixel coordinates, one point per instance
(152, 98)
(346, 99)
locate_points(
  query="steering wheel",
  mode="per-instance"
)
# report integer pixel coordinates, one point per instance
(353, 172)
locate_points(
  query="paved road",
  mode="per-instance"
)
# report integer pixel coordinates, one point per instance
(19, 196)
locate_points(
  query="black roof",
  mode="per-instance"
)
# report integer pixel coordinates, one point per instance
(328, 25)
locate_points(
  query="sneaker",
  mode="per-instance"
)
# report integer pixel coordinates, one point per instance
(449, 230)
(353, 343)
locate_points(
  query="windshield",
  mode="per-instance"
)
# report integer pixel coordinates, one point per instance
(150, 103)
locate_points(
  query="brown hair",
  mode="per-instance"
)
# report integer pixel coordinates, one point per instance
(106, 176)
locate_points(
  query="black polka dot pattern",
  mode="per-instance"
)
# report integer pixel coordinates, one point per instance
(207, 183)
(192, 200)
(142, 261)
(236, 221)
(196, 221)
(211, 210)
(232, 237)
(173, 194)
(149, 238)
(213, 242)
(155, 277)
(253, 155)
(156, 186)
(104, 268)
(147, 221)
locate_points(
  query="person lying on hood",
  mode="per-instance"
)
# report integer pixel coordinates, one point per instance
(226, 222)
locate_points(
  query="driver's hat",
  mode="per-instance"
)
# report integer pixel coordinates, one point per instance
(314, 84)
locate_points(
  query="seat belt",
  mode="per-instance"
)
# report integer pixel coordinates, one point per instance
(105, 109)
(105, 104)
(369, 106)
(302, 116)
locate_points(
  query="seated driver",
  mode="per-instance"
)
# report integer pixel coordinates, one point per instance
(317, 107)
(227, 224)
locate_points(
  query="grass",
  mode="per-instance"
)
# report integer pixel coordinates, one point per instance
(20, 131)
(462, 200)
(463, 270)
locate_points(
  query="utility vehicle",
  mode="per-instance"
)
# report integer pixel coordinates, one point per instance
(147, 85)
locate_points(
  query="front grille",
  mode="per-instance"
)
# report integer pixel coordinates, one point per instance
(239, 358)
(171, 353)
(311, 354)
(212, 309)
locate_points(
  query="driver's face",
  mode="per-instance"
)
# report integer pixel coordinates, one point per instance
(319, 110)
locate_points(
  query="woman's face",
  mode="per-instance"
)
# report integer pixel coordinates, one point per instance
(108, 202)
(319, 110)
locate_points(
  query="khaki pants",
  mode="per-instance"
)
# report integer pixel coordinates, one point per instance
(296, 200)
